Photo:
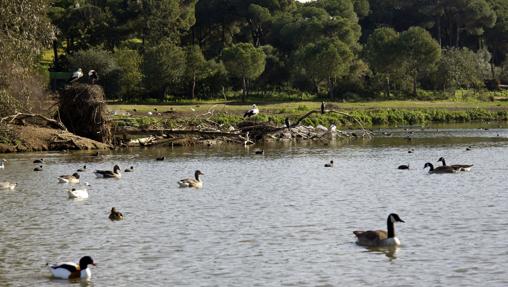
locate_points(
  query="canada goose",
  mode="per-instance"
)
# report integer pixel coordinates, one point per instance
(468, 148)
(131, 169)
(2, 163)
(7, 185)
(38, 161)
(322, 107)
(439, 169)
(330, 164)
(69, 270)
(39, 168)
(252, 112)
(74, 178)
(403, 166)
(115, 173)
(83, 169)
(459, 167)
(160, 158)
(380, 238)
(115, 215)
(287, 123)
(192, 182)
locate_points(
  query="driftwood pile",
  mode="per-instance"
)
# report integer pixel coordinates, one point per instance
(82, 109)
(247, 132)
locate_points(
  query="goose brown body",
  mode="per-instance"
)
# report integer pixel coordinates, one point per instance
(380, 238)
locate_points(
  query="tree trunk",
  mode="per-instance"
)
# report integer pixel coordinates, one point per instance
(387, 87)
(330, 88)
(244, 92)
(193, 95)
(414, 84)
(55, 53)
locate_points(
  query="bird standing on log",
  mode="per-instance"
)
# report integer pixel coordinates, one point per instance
(322, 108)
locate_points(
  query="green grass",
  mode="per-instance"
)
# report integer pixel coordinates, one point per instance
(391, 113)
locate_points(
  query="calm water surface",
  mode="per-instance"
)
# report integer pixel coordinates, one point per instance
(280, 219)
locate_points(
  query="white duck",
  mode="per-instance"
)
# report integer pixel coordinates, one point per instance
(2, 163)
(74, 178)
(192, 182)
(115, 173)
(70, 270)
(7, 185)
(77, 193)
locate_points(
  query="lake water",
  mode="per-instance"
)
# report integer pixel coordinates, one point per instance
(279, 219)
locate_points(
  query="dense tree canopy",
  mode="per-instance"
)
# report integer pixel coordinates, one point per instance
(189, 48)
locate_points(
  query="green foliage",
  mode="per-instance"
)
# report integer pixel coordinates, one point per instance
(163, 67)
(129, 61)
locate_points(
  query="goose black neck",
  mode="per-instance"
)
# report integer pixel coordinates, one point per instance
(390, 227)
(431, 167)
(196, 175)
(444, 162)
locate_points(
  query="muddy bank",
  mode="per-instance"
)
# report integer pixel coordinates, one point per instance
(27, 138)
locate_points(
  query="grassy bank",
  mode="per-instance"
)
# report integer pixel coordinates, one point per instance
(388, 113)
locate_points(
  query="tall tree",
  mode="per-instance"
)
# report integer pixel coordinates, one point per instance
(419, 51)
(244, 61)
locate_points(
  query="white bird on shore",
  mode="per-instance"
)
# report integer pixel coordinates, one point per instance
(69, 270)
(77, 193)
(252, 112)
(76, 75)
(7, 185)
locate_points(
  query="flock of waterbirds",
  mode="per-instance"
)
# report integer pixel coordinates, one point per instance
(70, 270)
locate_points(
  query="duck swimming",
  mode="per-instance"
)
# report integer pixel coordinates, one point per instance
(74, 178)
(329, 164)
(459, 167)
(7, 185)
(77, 193)
(192, 182)
(131, 169)
(83, 169)
(115, 215)
(439, 169)
(115, 173)
(39, 168)
(69, 270)
(380, 238)
(2, 163)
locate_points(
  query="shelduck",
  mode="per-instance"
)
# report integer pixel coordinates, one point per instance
(70, 270)
(77, 193)
(252, 112)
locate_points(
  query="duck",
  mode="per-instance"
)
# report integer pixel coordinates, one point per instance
(115, 173)
(260, 151)
(74, 178)
(70, 270)
(39, 168)
(403, 166)
(83, 169)
(131, 169)
(380, 238)
(459, 167)
(192, 182)
(160, 158)
(252, 112)
(2, 163)
(38, 161)
(439, 169)
(77, 193)
(7, 185)
(330, 164)
(115, 215)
